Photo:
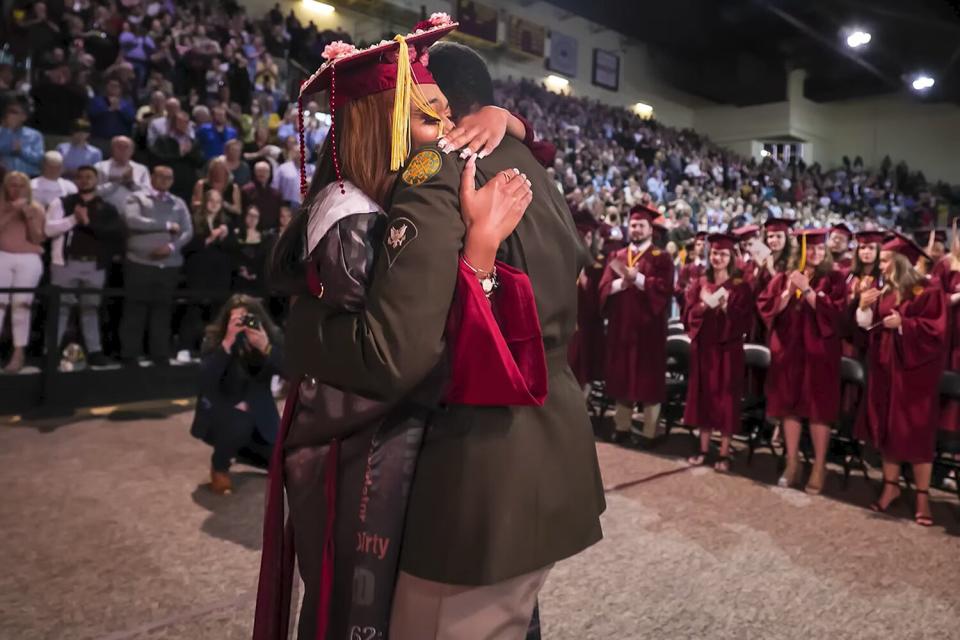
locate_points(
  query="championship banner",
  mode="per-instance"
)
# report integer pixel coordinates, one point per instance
(477, 20)
(563, 54)
(606, 69)
(526, 37)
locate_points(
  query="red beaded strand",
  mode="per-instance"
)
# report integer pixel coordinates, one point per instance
(333, 126)
(303, 150)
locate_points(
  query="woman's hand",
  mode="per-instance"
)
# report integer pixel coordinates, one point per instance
(869, 297)
(234, 327)
(893, 321)
(492, 212)
(258, 339)
(482, 132)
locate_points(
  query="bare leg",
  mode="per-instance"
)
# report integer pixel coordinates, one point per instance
(623, 417)
(922, 474)
(791, 431)
(701, 457)
(651, 415)
(723, 464)
(891, 485)
(820, 433)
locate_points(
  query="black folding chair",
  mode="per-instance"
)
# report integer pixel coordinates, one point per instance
(756, 431)
(948, 444)
(678, 367)
(852, 373)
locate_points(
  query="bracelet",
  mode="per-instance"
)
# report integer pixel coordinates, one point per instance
(480, 273)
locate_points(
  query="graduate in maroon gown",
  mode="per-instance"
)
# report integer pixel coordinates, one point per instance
(840, 236)
(803, 309)
(635, 294)
(586, 351)
(934, 242)
(694, 266)
(906, 324)
(746, 236)
(720, 308)
(864, 274)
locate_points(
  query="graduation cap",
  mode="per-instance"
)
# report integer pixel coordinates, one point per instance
(840, 227)
(644, 212)
(922, 236)
(812, 237)
(867, 237)
(905, 247)
(746, 232)
(779, 224)
(350, 73)
(722, 241)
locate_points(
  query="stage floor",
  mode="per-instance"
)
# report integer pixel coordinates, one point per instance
(109, 533)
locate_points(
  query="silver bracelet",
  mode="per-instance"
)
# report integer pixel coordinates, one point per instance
(488, 279)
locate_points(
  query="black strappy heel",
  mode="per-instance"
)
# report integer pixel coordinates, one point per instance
(877, 507)
(919, 518)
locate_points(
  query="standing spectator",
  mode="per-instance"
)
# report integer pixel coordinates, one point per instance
(43, 34)
(49, 186)
(201, 116)
(78, 152)
(137, 47)
(261, 148)
(21, 148)
(260, 194)
(163, 124)
(21, 245)
(214, 135)
(177, 150)
(58, 101)
(219, 179)
(208, 266)
(233, 155)
(121, 177)
(159, 226)
(284, 219)
(111, 114)
(155, 108)
(251, 257)
(286, 180)
(87, 233)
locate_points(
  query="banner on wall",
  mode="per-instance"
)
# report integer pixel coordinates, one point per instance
(606, 69)
(563, 54)
(477, 20)
(526, 37)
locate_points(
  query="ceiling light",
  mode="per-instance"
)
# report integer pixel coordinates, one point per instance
(764, 153)
(322, 8)
(858, 38)
(556, 83)
(922, 82)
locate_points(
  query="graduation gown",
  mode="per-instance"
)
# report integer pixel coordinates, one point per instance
(950, 282)
(716, 377)
(689, 274)
(805, 349)
(586, 350)
(636, 362)
(902, 402)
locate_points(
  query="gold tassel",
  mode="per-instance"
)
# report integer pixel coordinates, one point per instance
(400, 127)
(803, 258)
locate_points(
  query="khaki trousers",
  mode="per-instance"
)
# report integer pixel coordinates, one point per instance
(425, 610)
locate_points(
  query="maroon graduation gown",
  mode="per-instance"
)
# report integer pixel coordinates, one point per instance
(636, 362)
(805, 349)
(716, 376)
(689, 274)
(902, 402)
(586, 351)
(950, 282)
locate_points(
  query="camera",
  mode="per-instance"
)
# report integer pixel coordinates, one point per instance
(251, 321)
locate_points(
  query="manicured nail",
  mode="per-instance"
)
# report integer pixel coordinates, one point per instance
(482, 155)
(466, 153)
(516, 171)
(529, 184)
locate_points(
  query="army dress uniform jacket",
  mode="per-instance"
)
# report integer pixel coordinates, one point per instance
(499, 491)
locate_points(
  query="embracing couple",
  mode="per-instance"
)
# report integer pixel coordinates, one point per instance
(435, 453)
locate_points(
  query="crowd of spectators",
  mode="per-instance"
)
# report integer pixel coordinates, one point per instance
(151, 145)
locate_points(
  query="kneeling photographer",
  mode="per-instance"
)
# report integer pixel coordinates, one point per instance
(236, 413)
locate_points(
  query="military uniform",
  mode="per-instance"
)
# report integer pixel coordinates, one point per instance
(499, 491)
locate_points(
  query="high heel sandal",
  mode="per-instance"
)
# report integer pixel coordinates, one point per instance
(879, 508)
(698, 459)
(722, 464)
(789, 477)
(919, 518)
(816, 482)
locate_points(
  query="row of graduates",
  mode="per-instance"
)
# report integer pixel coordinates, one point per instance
(887, 303)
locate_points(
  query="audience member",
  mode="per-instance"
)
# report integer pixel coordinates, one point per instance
(177, 150)
(213, 135)
(120, 168)
(286, 178)
(251, 248)
(165, 124)
(87, 233)
(58, 101)
(233, 155)
(159, 225)
(261, 194)
(21, 148)
(111, 114)
(78, 152)
(220, 179)
(49, 186)
(21, 245)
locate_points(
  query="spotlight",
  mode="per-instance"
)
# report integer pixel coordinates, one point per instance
(556, 83)
(322, 8)
(922, 82)
(858, 38)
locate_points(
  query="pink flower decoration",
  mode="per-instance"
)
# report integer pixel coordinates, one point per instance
(337, 49)
(440, 19)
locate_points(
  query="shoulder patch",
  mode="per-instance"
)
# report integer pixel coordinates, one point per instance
(400, 233)
(422, 167)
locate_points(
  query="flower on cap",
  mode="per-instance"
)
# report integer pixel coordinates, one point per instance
(337, 49)
(435, 20)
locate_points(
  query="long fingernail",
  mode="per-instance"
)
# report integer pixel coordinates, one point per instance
(516, 171)
(466, 153)
(529, 184)
(482, 155)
